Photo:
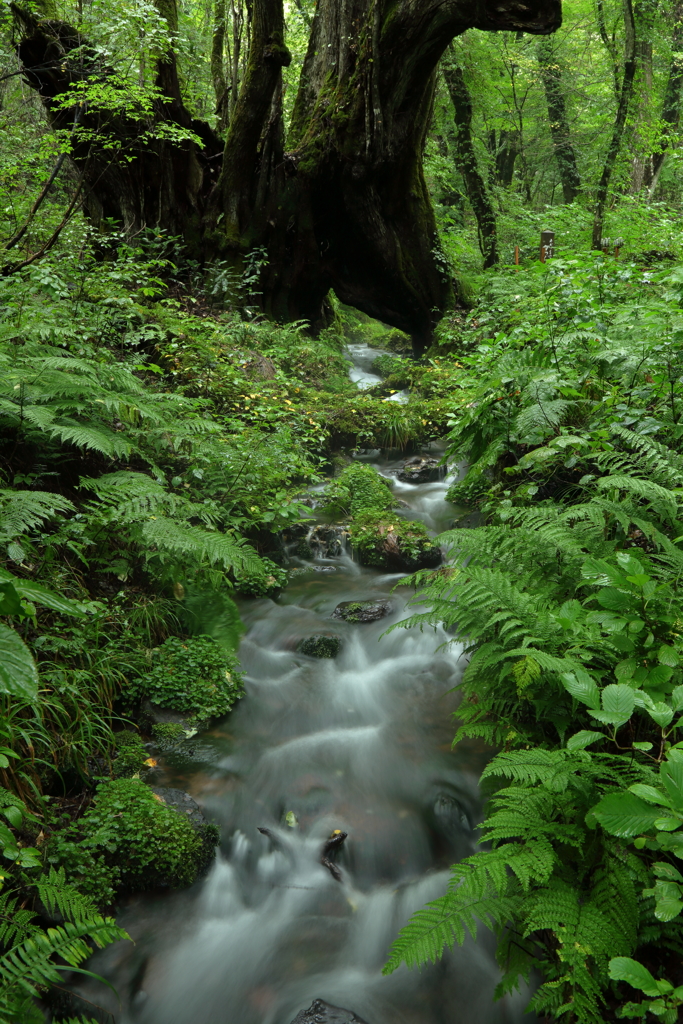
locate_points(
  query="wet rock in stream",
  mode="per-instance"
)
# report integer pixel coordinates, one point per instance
(320, 646)
(362, 611)
(328, 541)
(421, 469)
(320, 1012)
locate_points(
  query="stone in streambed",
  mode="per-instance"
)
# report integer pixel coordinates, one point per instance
(362, 611)
(320, 646)
(421, 469)
(320, 1012)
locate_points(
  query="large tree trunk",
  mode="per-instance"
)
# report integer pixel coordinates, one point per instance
(551, 74)
(134, 181)
(347, 206)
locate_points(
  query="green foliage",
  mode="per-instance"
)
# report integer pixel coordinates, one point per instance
(127, 840)
(131, 754)
(568, 600)
(168, 734)
(358, 489)
(263, 584)
(194, 676)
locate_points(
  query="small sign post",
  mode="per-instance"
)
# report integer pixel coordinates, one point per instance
(547, 245)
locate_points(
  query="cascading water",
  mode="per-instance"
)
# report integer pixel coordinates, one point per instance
(360, 743)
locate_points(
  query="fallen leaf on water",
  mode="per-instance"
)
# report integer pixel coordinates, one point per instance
(151, 762)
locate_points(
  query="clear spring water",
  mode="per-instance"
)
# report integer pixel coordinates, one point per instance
(362, 744)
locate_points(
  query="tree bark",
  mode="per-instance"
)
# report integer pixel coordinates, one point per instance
(504, 146)
(466, 160)
(347, 207)
(551, 75)
(671, 104)
(619, 124)
(220, 83)
(136, 183)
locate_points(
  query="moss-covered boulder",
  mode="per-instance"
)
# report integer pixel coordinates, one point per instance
(362, 611)
(320, 645)
(394, 544)
(357, 490)
(131, 839)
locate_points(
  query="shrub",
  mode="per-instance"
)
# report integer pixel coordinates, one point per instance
(263, 584)
(129, 840)
(194, 676)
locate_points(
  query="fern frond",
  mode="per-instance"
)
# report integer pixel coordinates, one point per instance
(21, 511)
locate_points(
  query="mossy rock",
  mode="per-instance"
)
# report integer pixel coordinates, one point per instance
(132, 839)
(362, 611)
(421, 469)
(396, 545)
(358, 489)
(320, 646)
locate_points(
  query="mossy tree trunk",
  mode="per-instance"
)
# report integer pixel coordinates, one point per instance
(466, 159)
(345, 205)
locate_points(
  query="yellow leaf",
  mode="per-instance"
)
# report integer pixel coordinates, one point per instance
(152, 763)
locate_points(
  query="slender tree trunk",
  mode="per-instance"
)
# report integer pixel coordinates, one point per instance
(619, 124)
(347, 207)
(551, 75)
(671, 104)
(610, 46)
(504, 146)
(466, 161)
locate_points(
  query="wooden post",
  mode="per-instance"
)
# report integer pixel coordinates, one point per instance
(517, 259)
(547, 245)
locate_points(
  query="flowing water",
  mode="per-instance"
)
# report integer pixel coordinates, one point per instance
(360, 743)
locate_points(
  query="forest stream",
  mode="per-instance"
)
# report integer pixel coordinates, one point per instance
(361, 743)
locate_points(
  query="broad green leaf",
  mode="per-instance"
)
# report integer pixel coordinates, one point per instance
(668, 824)
(642, 745)
(623, 968)
(671, 774)
(677, 698)
(625, 815)
(658, 676)
(583, 739)
(10, 602)
(649, 793)
(18, 672)
(661, 713)
(13, 815)
(668, 871)
(668, 656)
(614, 600)
(41, 595)
(581, 686)
(625, 669)
(619, 699)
